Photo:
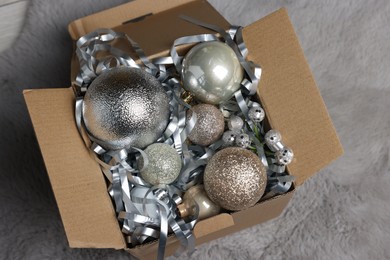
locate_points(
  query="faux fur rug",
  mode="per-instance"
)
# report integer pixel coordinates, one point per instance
(341, 213)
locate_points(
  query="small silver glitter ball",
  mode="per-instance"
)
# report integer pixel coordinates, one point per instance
(235, 178)
(243, 140)
(211, 72)
(164, 164)
(284, 156)
(235, 123)
(229, 138)
(256, 114)
(209, 125)
(125, 107)
(272, 139)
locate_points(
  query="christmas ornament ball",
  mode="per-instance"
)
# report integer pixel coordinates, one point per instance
(272, 137)
(209, 125)
(235, 178)
(256, 114)
(243, 140)
(229, 137)
(196, 201)
(211, 72)
(284, 156)
(125, 107)
(164, 164)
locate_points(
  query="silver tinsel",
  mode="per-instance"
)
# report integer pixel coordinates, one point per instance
(125, 107)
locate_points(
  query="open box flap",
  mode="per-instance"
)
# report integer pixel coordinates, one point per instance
(290, 96)
(121, 14)
(79, 187)
(155, 32)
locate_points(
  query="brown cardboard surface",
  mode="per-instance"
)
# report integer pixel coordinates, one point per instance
(290, 96)
(167, 26)
(221, 225)
(158, 43)
(115, 16)
(77, 181)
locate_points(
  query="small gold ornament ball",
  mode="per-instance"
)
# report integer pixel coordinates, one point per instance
(209, 125)
(235, 178)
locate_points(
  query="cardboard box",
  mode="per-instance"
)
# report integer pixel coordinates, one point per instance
(287, 91)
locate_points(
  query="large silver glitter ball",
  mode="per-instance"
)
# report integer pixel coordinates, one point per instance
(235, 178)
(125, 107)
(211, 72)
(256, 114)
(284, 156)
(209, 125)
(164, 164)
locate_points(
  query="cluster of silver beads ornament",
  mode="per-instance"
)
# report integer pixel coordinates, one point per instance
(283, 154)
(256, 114)
(234, 136)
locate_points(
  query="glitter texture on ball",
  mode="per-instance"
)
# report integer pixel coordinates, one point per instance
(229, 138)
(256, 114)
(164, 164)
(209, 125)
(284, 156)
(125, 107)
(235, 178)
(273, 140)
(211, 72)
(243, 140)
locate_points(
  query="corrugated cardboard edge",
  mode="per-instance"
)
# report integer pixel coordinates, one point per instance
(79, 187)
(117, 15)
(286, 88)
(221, 225)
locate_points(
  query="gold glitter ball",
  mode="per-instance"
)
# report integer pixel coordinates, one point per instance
(235, 178)
(209, 125)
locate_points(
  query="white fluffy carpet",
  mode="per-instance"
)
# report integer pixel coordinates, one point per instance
(341, 213)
